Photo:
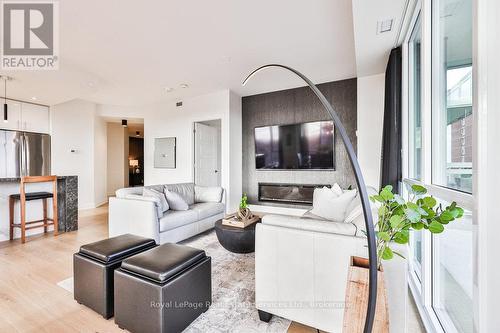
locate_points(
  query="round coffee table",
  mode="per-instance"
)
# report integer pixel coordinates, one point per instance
(237, 240)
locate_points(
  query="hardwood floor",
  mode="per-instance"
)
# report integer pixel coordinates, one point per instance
(30, 300)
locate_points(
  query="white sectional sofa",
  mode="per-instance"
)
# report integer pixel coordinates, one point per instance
(130, 212)
(301, 270)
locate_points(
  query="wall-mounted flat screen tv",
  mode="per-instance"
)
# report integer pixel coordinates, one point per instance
(302, 146)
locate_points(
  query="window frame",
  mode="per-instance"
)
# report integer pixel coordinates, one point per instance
(422, 287)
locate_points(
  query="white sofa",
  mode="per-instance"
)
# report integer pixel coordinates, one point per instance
(130, 212)
(301, 269)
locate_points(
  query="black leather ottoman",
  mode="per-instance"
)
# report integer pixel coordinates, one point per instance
(94, 265)
(163, 289)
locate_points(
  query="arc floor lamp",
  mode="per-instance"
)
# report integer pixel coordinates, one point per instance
(370, 232)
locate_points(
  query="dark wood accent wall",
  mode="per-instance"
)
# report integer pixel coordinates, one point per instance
(296, 106)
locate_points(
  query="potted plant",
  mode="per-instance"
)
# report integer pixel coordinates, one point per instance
(396, 217)
(244, 213)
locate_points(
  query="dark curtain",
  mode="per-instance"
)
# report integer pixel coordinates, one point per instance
(391, 137)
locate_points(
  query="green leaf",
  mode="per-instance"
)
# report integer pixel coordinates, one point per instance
(430, 213)
(384, 236)
(435, 227)
(395, 221)
(387, 253)
(387, 188)
(429, 202)
(446, 216)
(382, 210)
(421, 211)
(386, 194)
(418, 189)
(378, 198)
(460, 212)
(412, 215)
(412, 205)
(402, 237)
(417, 226)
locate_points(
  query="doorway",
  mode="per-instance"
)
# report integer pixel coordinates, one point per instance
(136, 154)
(207, 153)
(125, 153)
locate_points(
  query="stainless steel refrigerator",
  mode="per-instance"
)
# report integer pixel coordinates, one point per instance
(24, 154)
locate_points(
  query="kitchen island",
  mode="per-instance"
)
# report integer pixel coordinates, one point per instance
(67, 204)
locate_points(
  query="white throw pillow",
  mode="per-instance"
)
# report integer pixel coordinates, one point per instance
(207, 194)
(337, 189)
(175, 201)
(159, 198)
(328, 205)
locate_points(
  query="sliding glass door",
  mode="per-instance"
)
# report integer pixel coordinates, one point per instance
(439, 155)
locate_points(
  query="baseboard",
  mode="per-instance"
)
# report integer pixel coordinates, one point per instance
(105, 201)
(92, 205)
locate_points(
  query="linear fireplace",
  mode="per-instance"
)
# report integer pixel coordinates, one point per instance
(298, 194)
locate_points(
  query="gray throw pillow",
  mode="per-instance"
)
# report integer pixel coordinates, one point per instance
(159, 199)
(175, 201)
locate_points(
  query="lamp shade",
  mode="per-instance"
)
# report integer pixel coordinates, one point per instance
(133, 163)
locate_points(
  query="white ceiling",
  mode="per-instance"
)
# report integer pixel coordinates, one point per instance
(126, 52)
(372, 49)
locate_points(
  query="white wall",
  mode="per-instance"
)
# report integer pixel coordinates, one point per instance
(167, 120)
(235, 152)
(76, 126)
(370, 126)
(73, 129)
(116, 174)
(100, 161)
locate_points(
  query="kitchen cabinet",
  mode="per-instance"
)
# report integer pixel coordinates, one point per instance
(34, 118)
(13, 121)
(26, 117)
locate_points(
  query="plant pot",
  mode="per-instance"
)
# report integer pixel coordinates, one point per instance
(244, 214)
(356, 299)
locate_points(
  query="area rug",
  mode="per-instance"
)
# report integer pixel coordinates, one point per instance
(233, 297)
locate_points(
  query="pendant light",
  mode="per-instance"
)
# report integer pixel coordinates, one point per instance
(5, 107)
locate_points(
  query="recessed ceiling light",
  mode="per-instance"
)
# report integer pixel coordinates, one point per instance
(34, 98)
(184, 85)
(169, 89)
(384, 26)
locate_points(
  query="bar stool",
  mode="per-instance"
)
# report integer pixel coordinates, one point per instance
(23, 197)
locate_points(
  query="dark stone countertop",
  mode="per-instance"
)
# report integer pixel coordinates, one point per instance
(18, 179)
(67, 200)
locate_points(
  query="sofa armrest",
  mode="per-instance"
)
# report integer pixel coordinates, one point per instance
(301, 275)
(138, 217)
(309, 224)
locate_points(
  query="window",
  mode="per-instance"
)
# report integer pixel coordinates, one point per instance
(439, 154)
(452, 274)
(415, 97)
(452, 97)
